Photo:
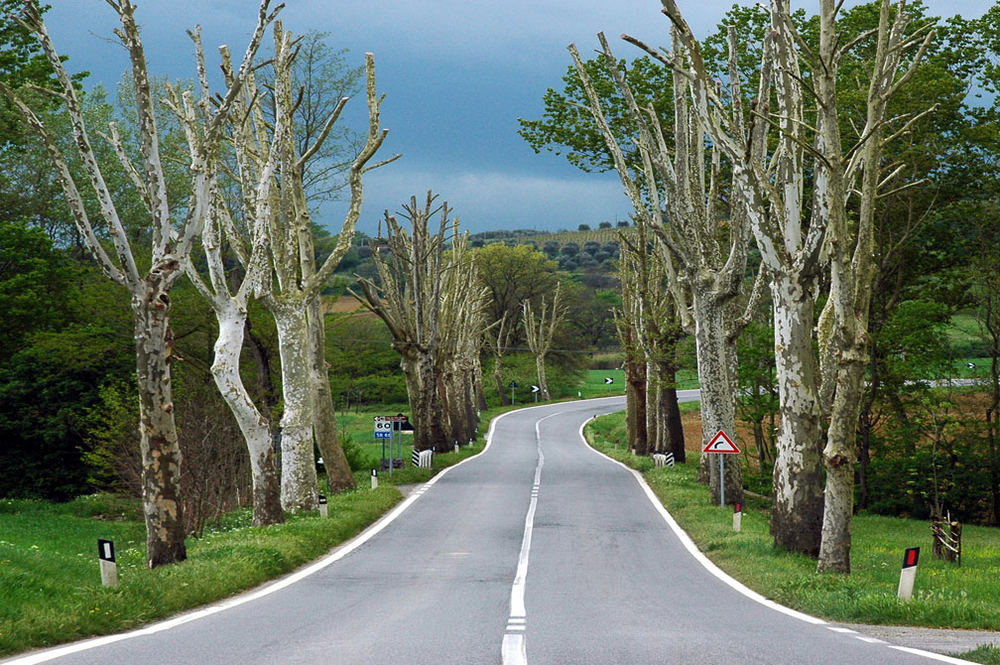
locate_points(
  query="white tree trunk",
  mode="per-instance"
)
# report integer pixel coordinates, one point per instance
(253, 425)
(298, 459)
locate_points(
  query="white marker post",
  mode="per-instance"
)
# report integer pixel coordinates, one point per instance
(374, 479)
(909, 573)
(737, 517)
(324, 510)
(109, 569)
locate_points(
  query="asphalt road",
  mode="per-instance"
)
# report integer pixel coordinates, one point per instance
(537, 551)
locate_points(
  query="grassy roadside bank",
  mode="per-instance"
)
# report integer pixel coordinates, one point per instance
(50, 586)
(945, 596)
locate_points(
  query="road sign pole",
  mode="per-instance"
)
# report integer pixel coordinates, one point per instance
(722, 480)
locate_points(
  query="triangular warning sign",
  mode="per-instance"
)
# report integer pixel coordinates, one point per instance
(721, 443)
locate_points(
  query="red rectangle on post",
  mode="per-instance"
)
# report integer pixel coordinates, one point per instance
(911, 557)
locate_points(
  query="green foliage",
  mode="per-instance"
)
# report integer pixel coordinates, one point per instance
(364, 366)
(50, 381)
(757, 401)
(566, 123)
(33, 275)
(358, 458)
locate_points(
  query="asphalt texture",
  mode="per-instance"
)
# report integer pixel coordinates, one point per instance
(538, 517)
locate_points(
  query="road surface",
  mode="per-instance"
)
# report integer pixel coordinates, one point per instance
(538, 551)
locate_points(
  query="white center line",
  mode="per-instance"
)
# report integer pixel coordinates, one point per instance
(513, 649)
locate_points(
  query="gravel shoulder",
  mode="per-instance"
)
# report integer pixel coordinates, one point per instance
(938, 640)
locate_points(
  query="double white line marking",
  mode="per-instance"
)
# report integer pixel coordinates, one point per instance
(514, 650)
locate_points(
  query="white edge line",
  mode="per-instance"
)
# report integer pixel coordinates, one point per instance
(695, 552)
(736, 585)
(248, 596)
(930, 654)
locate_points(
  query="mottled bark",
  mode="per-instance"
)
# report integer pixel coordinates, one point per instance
(293, 293)
(851, 245)
(718, 406)
(161, 454)
(299, 483)
(338, 470)
(796, 518)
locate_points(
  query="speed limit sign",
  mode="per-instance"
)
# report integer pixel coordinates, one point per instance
(382, 424)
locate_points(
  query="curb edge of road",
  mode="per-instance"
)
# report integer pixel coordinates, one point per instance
(732, 582)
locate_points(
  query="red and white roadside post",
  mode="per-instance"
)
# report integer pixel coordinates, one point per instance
(737, 517)
(721, 445)
(909, 573)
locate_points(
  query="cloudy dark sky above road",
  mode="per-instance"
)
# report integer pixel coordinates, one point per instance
(457, 74)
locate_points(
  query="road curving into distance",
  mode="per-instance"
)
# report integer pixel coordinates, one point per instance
(539, 550)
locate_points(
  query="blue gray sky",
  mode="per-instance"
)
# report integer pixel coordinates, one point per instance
(457, 74)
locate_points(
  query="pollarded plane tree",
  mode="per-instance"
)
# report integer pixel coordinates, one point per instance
(795, 247)
(409, 299)
(171, 242)
(463, 324)
(634, 365)
(847, 187)
(678, 192)
(291, 293)
(645, 275)
(771, 188)
(255, 173)
(498, 340)
(539, 330)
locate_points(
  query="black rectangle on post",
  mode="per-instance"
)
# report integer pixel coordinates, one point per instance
(911, 557)
(105, 550)
(322, 499)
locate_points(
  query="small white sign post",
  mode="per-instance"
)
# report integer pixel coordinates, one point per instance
(374, 479)
(909, 573)
(109, 569)
(721, 445)
(737, 517)
(324, 509)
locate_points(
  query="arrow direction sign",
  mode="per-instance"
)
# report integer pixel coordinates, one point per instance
(721, 443)
(535, 389)
(608, 380)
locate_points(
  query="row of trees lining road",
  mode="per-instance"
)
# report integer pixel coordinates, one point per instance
(428, 296)
(813, 146)
(149, 291)
(245, 199)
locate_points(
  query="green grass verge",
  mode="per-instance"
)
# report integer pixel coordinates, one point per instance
(50, 585)
(987, 654)
(945, 596)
